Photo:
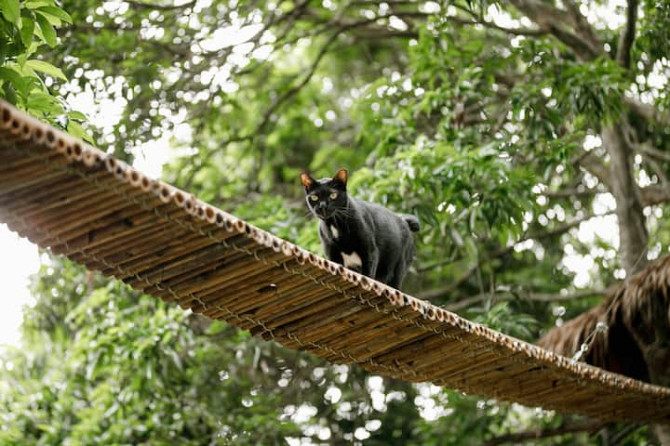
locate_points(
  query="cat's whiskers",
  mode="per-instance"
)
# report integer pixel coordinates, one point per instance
(344, 212)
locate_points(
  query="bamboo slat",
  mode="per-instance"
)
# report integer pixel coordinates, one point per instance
(79, 202)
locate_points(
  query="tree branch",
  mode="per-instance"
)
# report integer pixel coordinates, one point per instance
(582, 25)
(142, 5)
(561, 229)
(274, 20)
(627, 35)
(382, 33)
(655, 167)
(647, 149)
(567, 193)
(491, 25)
(528, 297)
(593, 165)
(649, 195)
(581, 47)
(431, 294)
(590, 426)
(648, 111)
(655, 194)
(296, 88)
(343, 26)
(558, 22)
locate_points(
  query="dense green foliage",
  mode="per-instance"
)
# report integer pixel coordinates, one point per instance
(25, 29)
(482, 120)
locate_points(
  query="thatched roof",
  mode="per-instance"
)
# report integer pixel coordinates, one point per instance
(637, 315)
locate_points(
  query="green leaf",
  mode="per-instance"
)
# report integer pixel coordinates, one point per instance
(9, 93)
(27, 29)
(44, 102)
(34, 4)
(48, 31)
(74, 114)
(21, 84)
(10, 75)
(55, 12)
(10, 9)
(45, 67)
(75, 129)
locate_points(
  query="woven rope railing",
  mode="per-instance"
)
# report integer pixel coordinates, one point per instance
(76, 201)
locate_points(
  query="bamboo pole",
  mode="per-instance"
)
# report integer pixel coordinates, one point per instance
(44, 180)
(28, 173)
(15, 161)
(207, 280)
(134, 235)
(310, 297)
(122, 236)
(230, 281)
(55, 235)
(189, 264)
(148, 256)
(107, 212)
(287, 290)
(66, 190)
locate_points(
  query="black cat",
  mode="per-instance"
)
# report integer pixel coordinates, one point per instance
(365, 237)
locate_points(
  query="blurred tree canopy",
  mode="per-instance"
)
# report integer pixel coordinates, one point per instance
(531, 138)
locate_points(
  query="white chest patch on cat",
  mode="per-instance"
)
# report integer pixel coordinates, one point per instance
(333, 230)
(352, 260)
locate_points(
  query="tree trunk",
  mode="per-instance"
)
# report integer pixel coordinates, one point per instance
(632, 230)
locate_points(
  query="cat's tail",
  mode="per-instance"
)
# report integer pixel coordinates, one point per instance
(412, 221)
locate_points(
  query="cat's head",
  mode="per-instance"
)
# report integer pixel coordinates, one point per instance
(326, 197)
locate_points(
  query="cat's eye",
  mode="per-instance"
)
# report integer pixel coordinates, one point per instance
(333, 195)
(314, 197)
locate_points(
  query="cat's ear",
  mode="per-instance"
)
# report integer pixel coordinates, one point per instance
(341, 177)
(306, 180)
